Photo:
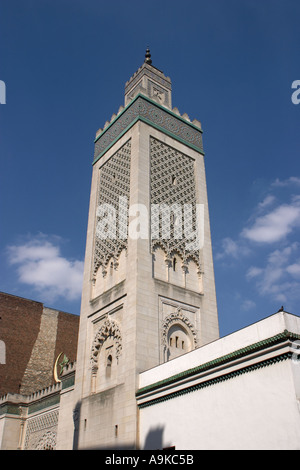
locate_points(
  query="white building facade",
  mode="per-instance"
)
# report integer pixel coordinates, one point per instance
(239, 392)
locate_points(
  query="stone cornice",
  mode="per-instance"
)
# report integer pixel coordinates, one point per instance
(252, 357)
(12, 404)
(144, 109)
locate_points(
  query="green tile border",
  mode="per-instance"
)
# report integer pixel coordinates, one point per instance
(44, 403)
(240, 353)
(123, 128)
(222, 378)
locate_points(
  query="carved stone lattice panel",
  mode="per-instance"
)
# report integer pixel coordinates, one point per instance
(114, 183)
(41, 431)
(173, 191)
(47, 441)
(146, 110)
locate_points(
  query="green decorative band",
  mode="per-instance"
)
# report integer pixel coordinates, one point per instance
(68, 382)
(256, 347)
(11, 409)
(39, 405)
(222, 378)
(144, 109)
(33, 407)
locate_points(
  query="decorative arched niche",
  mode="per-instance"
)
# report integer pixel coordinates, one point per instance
(178, 335)
(109, 337)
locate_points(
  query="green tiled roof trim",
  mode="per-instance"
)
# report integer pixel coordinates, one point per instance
(144, 109)
(285, 335)
(208, 383)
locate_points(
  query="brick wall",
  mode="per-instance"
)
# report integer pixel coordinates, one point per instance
(66, 342)
(34, 336)
(19, 327)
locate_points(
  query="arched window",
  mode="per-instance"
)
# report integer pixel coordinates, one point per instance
(108, 365)
(109, 361)
(179, 341)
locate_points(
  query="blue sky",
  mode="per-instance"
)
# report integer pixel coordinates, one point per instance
(232, 64)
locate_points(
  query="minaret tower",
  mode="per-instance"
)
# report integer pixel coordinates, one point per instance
(149, 290)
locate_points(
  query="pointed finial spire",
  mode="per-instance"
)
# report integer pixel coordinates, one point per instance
(148, 59)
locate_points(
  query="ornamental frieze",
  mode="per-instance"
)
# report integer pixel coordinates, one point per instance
(145, 109)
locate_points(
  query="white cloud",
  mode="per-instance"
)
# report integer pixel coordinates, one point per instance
(254, 272)
(40, 265)
(232, 249)
(248, 305)
(269, 225)
(275, 225)
(229, 248)
(277, 278)
(266, 202)
(294, 269)
(280, 257)
(292, 180)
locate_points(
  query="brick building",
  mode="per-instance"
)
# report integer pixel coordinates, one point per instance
(32, 336)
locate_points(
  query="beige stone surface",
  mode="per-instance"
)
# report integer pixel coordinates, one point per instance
(130, 297)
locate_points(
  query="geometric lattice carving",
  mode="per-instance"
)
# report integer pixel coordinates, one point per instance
(41, 431)
(114, 183)
(144, 109)
(47, 441)
(109, 329)
(173, 187)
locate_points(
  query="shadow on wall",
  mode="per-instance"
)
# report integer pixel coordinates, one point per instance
(153, 441)
(76, 421)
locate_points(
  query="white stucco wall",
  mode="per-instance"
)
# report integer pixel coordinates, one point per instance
(9, 432)
(255, 410)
